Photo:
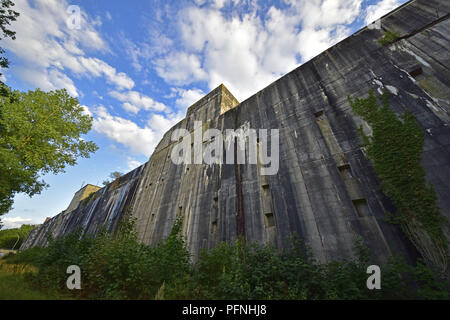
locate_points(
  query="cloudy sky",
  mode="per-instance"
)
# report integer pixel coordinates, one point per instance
(137, 65)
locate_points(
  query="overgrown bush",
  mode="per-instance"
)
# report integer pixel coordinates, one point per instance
(30, 256)
(241, 271)
(117, 266)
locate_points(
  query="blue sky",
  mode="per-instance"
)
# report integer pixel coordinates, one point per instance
(137, 65)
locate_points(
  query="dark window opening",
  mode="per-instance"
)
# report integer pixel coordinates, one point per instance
(416, 72)
(319, 115)
(266, 199)
(269, 220)
(361, 207)
(345, 171)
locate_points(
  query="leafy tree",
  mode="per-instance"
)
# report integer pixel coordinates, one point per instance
(113, 175)
(39, 133)
(7, 15)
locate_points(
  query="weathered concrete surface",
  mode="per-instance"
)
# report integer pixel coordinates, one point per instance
(80, 195)
(104, 209)
(325, 189)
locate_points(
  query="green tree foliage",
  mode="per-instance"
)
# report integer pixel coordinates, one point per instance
(39, 133)
(396, 148)
(11, 237)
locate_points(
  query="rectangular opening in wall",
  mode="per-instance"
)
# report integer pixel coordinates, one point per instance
(345, 171)
(415, 73)
(180, 211)
(266, 199)
(318, 114)
(361, 207)
(213, 227)
(269, 220)
(214, 209)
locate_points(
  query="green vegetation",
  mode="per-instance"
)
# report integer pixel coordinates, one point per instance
(113, 176)
(39, 133)
(117, 266)
(89, 198)
(15, 286)
(388, 38)
(396, 148)
(11, 237)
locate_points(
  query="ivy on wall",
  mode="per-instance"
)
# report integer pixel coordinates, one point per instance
(395, 149)
(388, 38)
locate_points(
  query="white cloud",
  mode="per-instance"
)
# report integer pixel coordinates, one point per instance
(126, 132)
(132, 163)
(179, 67)
(161, 124)
(86, 110)
(315, 42)
(134, 101)
(188, 97)
(140, 140)
(48, 48)
(325, 13)
(376, 11)
(15, 222)
(247, 51)
(97, 67)
(47, 79)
